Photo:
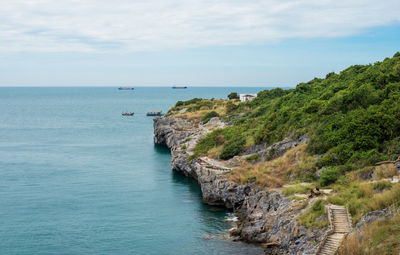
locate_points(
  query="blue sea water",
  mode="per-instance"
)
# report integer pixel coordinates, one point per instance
(76, 177)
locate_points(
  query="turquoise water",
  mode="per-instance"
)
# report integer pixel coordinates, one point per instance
(76, 177)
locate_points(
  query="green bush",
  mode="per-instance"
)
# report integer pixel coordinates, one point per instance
(230, 107)
(253, 157)
(232, 149)
(213, 139)
(329, 176)
(208, 116)
(233, 95)
(188, 102)
(309, 218)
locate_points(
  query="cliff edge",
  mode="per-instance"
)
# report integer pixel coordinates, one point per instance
(265, 216)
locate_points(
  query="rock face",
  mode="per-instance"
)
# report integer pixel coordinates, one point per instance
(276, 150)
(370, 217)
(264, 217)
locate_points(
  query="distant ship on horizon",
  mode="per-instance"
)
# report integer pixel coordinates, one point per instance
(121, 88)
(179, 87)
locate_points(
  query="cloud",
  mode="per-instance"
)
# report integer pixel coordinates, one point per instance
(141, 25)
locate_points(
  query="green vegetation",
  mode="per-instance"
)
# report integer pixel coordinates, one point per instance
(381, 185)
(208, 116)
(352, 121)
(233, 95)
(230, 138)
(381, 237)
(253, 157)
(299, 189)
(353, 117)
(313, 216)
(196, 109)
(294, 165)
(361, 198)
(329, 176)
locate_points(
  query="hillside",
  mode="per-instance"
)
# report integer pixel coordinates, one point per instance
(345, 124)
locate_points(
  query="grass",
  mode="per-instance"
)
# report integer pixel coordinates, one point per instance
(295, 165)
(361, 198)
(309, 218)
(297, 189)
(253, 157)
(198, 109)
(381, 237)
(385, 171)
(381, 185)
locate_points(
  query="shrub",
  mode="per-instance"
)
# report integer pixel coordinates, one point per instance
(329, 176)
(188, 102)
(230, 107)
(213, 139)
(232, 149)
(208, 116)
(309, 218)
(253, 157)
(233, 95)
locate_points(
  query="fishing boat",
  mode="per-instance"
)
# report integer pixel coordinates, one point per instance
(179, 87)
(121, 88)
(154, 113)
(127, 113)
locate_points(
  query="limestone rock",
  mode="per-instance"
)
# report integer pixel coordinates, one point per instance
(264, 216)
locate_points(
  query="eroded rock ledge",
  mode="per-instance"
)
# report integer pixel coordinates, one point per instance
(264, 216)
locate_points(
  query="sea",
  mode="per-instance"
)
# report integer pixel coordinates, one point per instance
(76, 177)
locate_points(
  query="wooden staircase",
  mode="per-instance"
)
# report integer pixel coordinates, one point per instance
(340, 223)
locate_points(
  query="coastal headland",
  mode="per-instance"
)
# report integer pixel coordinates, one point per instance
(306, 170)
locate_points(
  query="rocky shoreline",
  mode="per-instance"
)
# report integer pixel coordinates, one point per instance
(265, 216)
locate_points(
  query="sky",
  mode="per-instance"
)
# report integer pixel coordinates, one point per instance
(271, 43)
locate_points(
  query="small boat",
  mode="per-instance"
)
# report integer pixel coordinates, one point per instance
(127, 113)
(154, 113)
(179, 87)
(121, 88)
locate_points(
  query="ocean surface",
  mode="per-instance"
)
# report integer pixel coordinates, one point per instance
(76, 177)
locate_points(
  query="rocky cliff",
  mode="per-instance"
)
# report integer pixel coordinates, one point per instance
(264, 216)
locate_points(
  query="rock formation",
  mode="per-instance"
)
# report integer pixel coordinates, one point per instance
(264, 216)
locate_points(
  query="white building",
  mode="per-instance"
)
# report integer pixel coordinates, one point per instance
(247, 97)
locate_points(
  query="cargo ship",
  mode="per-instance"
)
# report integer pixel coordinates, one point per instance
(179, 87)
(121, 88)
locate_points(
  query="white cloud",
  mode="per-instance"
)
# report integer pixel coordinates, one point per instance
(134, 25)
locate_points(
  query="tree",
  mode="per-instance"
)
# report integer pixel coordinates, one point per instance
(233, 95)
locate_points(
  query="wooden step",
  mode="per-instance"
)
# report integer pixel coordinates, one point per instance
(341, 226)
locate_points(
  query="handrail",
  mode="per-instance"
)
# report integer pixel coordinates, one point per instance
(332, 228)
(327, 233)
